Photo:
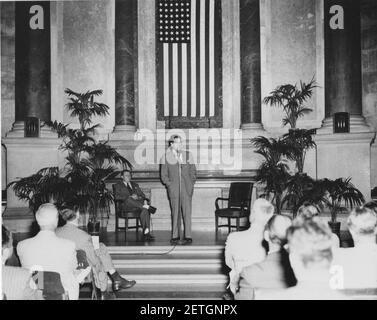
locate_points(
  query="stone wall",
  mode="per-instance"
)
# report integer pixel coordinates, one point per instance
(7, 10)
(89, 51)
(289, 54)
(369, 71)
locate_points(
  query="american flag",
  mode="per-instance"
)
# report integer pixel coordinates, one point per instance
(189, 54)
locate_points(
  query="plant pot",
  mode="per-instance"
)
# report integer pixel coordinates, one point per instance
(94, 227)
(335, 227)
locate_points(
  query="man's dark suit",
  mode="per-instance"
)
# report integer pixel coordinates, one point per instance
(171, 173)
(128, 204)
(272, 273)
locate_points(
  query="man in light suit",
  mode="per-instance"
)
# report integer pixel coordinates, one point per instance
(134, 200)
(244, 248)
(178, 174)
(15, 280)
(47, 252)
(99, 259)
(275, 271)
(358, 265)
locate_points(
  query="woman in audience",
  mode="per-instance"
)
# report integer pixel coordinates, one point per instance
(308, 211)
(15, 280)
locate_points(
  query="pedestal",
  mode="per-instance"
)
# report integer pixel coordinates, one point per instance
(346, 154)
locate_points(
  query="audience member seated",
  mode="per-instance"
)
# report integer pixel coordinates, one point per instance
(310, 255)
(47, 252)
(15, 280)
(275, 271)
(99, 258)
(358, 265)
(308, 211)
(244, 248)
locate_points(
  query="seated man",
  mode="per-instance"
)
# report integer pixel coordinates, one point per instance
(15, 280)
(99, 259)
(310, 255)
(308, 211)
(133, 199)
(244, 248)
(47, 252)
(358, 265)
(275, 271)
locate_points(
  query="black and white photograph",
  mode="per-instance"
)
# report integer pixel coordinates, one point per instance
(183, 155)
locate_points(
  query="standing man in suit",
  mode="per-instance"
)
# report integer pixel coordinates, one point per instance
(47, 252)
(134, 200)
(178, 173)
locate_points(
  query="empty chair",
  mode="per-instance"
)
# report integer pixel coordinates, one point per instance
(238, 205)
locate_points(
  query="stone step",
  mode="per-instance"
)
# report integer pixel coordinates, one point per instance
(166, 292)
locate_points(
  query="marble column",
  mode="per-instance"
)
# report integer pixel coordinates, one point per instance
(344, 154)
(33, 96)
(250, 53)
(343, 65)
(230, 29)
(126, 64)
(146, 76)
(32, 68)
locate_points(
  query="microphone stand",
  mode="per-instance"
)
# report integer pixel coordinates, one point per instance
(179, 202)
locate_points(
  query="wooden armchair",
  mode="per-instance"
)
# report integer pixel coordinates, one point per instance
(50, 285)
(238, 205)
(83, 263)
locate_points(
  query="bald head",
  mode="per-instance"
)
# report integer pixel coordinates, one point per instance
(261, 211)
(276, 229)
(47, 216)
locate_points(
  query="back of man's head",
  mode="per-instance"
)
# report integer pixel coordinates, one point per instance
(69, 212)
(307, 211)
(47, 216)
(310, 245)
(261, 211)
(362, 223)
(372, 205)
(276, 229)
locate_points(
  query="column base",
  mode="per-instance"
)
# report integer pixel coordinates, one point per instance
(357, 125)
(343, 155)
(18, 128)
(122, 132)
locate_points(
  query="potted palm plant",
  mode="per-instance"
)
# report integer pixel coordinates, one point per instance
(88, 164)
(292, 99)
(340, 194)
(272, 173)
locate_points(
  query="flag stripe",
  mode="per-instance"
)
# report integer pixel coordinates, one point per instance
(184, 80)
(166, 77)
(170, 79)
(211, 72)
(198, 61)
(207, 14)
(202, 57)
(179, 80)
(189, 80)
(175, 79)
(193, 58)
